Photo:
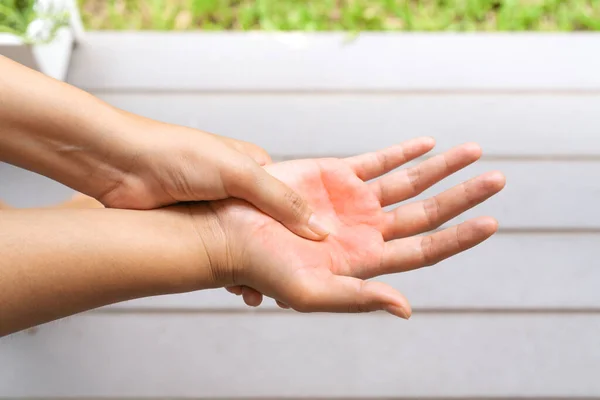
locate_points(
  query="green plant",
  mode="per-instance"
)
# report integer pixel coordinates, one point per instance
(33, 22)
(343, 15)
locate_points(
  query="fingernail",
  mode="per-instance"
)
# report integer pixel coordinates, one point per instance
(317, 226)
(397, 311)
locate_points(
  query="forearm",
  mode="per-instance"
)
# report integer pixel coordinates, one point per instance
(59, 131)
(55, 263)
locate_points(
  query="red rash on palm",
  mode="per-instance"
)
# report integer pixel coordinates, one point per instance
(347, 204)
(266, 258)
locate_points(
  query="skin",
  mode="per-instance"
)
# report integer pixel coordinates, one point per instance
(57, 263)
(75, 260)
(365, 241)
(127, 161)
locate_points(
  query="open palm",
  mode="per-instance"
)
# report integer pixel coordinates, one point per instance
(365, 240)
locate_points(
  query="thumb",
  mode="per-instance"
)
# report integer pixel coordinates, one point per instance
(278, 200)
(252, 150)
(348, 294)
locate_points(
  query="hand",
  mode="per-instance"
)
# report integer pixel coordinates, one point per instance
(171, 164)
(127, 161)
(365, 241)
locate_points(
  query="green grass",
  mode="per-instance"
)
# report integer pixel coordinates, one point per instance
(343, 15)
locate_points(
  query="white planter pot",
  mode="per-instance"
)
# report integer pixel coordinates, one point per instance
(53, 58)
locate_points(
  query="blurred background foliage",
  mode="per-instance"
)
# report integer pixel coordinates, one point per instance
(16, 15)
(32, 21)
(343, 15)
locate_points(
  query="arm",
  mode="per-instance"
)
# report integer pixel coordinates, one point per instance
(127, 161)
(56, 263)
(59, 131)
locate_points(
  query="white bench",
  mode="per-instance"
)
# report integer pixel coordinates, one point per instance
(518, 316)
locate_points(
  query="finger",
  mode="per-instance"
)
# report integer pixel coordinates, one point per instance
(371, 165)
(255, 152)
(255, 185)
(422, 216)
(282, 305)
(344, 294)
(412, 181)
(415, 252)
(237, 290)
(251, 297)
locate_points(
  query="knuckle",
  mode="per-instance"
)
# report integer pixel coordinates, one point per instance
(428, 251)
(460, 240)
(379, 161)
(383, 192)
(357, 308)
(431, 208)
(447, 166)
(383, 160)
(360, 305)
(470, 192)
(295, 203)
(414, 178)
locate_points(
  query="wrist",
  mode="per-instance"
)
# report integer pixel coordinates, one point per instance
(206, 263)
(214, 243)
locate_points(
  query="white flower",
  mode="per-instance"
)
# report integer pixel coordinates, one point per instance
(48, 12)
(40, 29)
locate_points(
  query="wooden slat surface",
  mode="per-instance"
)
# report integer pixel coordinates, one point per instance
(374, 61)
(538, 195)
(516, 317)
(308, 124)
(532, 272)
(207, 356)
